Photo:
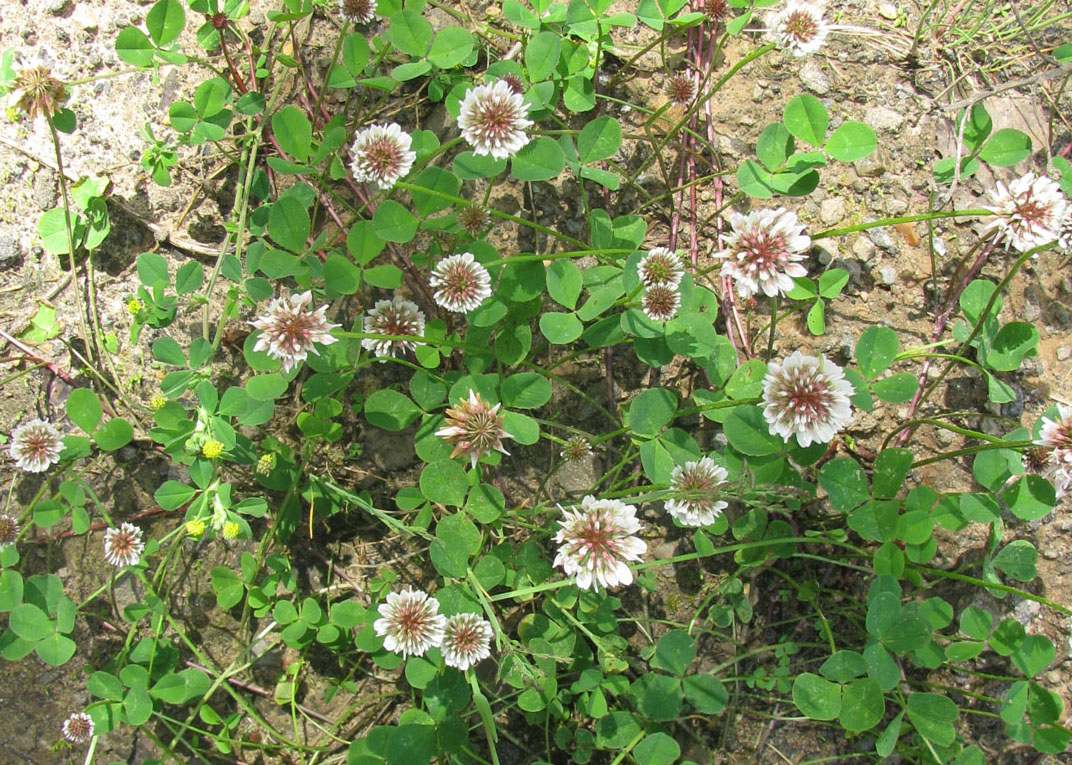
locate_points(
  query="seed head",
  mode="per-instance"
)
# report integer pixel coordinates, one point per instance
(473, 219)
(396, 316)
(289, 329)
(806, 397)
(715, 10)
(35, 446)
(597, 541)
(410, 623)
(123, 546)
(460, 283)
(681, 89)
(474, 428)
(493, 120)
(576, 449)
(764, 251)
(9, 531)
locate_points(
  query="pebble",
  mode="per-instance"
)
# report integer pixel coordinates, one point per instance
(56, 7)
(871, 166)
(1064, 352)
(813, 78)
(85, 17)
(1032, 312)
(10, 254)
(832, 210)
(44, 188)
(888, 11)
(881, 238)
(1026, 611)
(887, 275)
(863, 248)
(883, 118)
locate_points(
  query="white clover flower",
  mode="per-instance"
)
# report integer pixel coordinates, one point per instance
(123, 546)
(36, 91)
(466, 641)
(1030, 212)
(410, 623)
(806, 397)
(764, 252)
(289, 329)
(660, 302)
(1055, 450)
(397, 316)
(493, 120)
(78, 728)
(9, 530)
(1064, 235)
(460, 283)
(358, 11)
(660, 266)
(695, 486)
(35, 446)
(597, 541)
(799, 29)
(474, 428)
(382, 155)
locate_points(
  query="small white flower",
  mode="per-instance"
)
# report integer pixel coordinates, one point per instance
(410, 623)
(695, 487)
(289, 329)
(597, 541)
(660, 266)
(358, 11)
(806, 397)
(460, 283)
(1055, 449)
(123, 546)
(1030, 212)
(466, 641)
(474, 428)
(1064, 235)
(78, 728)
(764, 252)
(799, 29)
(397, 316)
(493, 120)
(660, 302)
(382, 155)
(35, 446)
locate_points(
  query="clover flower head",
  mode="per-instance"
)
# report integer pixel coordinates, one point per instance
(382, 155)
(764, 251)
(410, 623)
(266, 463)
(78, 728)
(9, 530)
(799, 29)
(660, 266)
(473, 219)
(474, 428)
(37, 93)
(123, 546)
(289, 329)
(1029, 212)
(493, 120)
(35, 446)
(211, 449)
(660, 302)
(695, 487)
(358, 11)
(715, 10)
(681, 88)
(195, 528)
(576, 449)
(461, 284)
(597, 541)
(231, 530)
(396, 316)
(1064, 235)
(466, 641)
(806, 397)
(1054, 449)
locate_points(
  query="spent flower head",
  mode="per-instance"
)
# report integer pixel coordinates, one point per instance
(806, 397)
(660, 266)
(1029, 212)
(466, 641)
(695, 487)
(78, 728)
(681, 88)
(799, 29)
(493, 120)
(460, 283)
(410, 623)
(597, 541)
(576, 449)
(474, 428)
(358, 11)
(289, 329)
(396, 316)
(660, 302)
(123, 546)
(37, 93)
(9, 530)
(35, 446)
(764, 251)
(715, 10)
(382, 155)
(473, 219)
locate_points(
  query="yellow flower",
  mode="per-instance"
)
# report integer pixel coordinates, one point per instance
(266, 463)
(231, 530)
(134, 306)
(157, 402)
(195, 528)
(212, 449)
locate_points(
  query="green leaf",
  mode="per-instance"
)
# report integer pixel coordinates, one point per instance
(754, 180)
(816, 320)
(1018, 561)
(674, 652)
(651, 411)
(172, 495)
(890, 469)
(1006, 147)
(657, 749)
(266, 387)
(775, 146)
(933, 717)
(134, 48)
(438, 180)
(599, 139)
(1033, 655)
(875, 351)
(657, 697)
(84, 409)
(617, 730)
(289, 224)
(181, 687)
(862, 705)
(56, 649)
(468, 166)
(165, 21)
(1030, 498)
(152, 269)
(394, 223)
(844, 666)
(410, 33)
(851, 141)
(341, 276)
(896, 389)
(541, 55)
(845, 482)
(228, 587)
(390, 410)
(707, 694)
(293, 132)
(560, 328)
(886, 742)
(1012, 343)
(564, 283)
(807, 119)
(451, 47)
(540, 160)
(114, 434)
(748, 432)
(30, 623)
(523, 429)
(189, 278)
(386, 277)
(976, 623)
(1007, 637)
(444, 483)
(816, 698)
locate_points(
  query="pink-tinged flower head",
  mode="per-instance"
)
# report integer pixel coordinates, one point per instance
(806, 397)
(382, 155)
(289, 329)
(397, 316)
(661, 301)
(493, 120)
(764, 252)
(410, 623)
(9, 531)
(1064, 235)
(37, 93)
(660, 266)
(358, 11)
(123, 546)
(799, 29)
(695, 486)
(78, 728)
(597, 541)
(460, 283)
(474, 428)
(466, 641)
(35, 446)
(1030, 212)
(1054, 450)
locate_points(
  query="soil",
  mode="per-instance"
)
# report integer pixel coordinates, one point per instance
(861, 75)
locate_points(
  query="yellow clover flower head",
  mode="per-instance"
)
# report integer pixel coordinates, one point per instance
(212, 449)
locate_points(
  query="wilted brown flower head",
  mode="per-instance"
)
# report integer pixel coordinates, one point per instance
(681, 89)
(473, 219)
(37, 92)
